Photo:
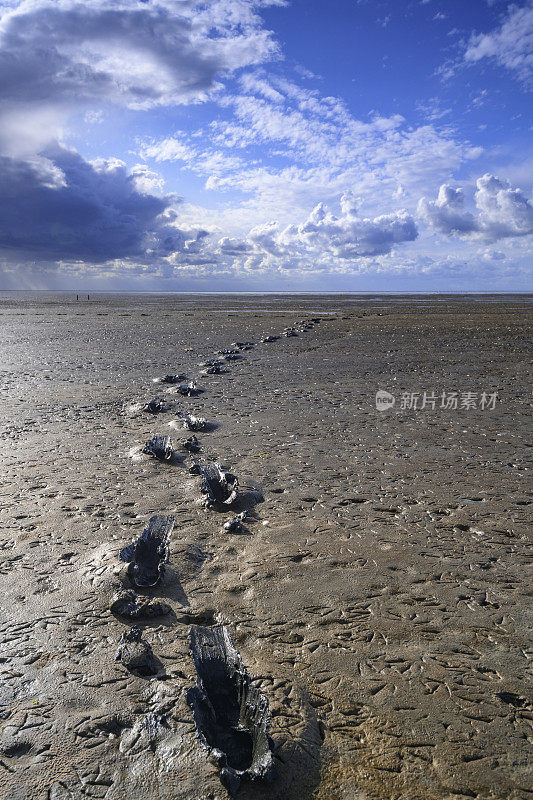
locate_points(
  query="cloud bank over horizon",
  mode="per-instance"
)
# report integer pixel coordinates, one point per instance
(148, 144)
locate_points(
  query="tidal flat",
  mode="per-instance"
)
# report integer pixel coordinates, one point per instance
(377, 588)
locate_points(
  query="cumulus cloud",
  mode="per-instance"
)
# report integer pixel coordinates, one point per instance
(233, 247)
(510, 45)
(447, 213)
(147, 181)
(59, 206)
(501, 211)
(322, 238)
(266, 237)
(350, 236)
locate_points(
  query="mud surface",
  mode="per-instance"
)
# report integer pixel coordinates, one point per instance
(378, 595)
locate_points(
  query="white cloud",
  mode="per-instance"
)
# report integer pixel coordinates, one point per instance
(510, 45)
(213, 164)
(321, 240)
(447, 213)
(502, 212)
(139, 55)
(93, 117)
(350, 236)
(147, 181)
(233, 247)
(284, 149)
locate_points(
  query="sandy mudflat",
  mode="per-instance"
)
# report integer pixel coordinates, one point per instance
(379, 596)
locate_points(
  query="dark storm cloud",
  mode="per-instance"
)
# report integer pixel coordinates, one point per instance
(62, 207)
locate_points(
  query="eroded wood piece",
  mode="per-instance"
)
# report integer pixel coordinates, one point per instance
(219, 487)
(189, 389)
(193, 423)
(155, 406)
(149, 554)
(216, 369)
(232, 717)
(159, 447)
(192, 445)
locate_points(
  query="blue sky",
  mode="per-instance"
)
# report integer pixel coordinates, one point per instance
(264, 144)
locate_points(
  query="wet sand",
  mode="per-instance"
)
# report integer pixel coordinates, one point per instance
(379, 595)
